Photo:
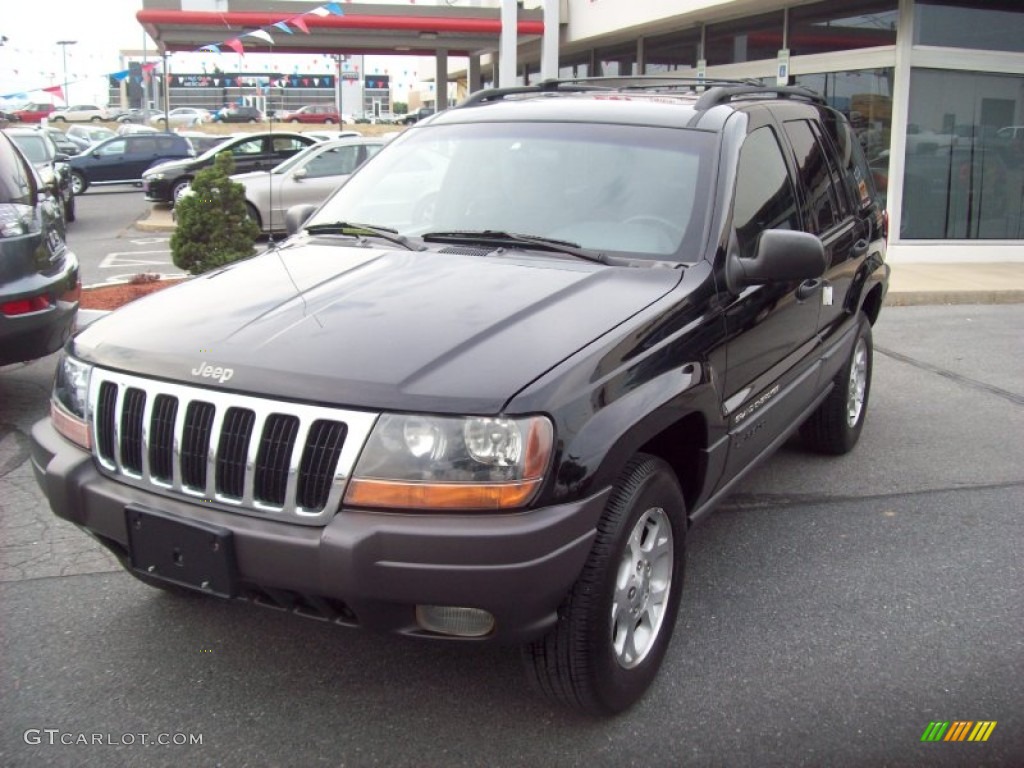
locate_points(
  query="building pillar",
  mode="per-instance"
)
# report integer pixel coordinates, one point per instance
(549, 47)
(441, 81)
(508, 42)
(474, 80)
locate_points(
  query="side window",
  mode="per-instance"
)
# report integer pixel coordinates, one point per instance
(764, 192)
(113, 148)
(287, 144)
(17, 184)
(251, 147)
(812, 166)
(333, 162)
(139, 145)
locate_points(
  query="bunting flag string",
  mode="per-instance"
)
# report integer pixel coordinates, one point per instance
(235, 44)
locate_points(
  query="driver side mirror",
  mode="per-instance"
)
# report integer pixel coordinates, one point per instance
(300, 174)
(296, 216)
(783, 256)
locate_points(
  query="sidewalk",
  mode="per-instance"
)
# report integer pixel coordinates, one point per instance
(910, 284)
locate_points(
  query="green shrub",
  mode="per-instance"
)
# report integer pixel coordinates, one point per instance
(213, 226)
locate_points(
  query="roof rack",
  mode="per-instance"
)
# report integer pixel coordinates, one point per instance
(726, 93)
(607, 83)
(717, 91)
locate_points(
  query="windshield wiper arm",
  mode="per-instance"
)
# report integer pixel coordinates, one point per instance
(361, 231)
(516, 238)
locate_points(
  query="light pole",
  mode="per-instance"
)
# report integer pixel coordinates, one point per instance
(64, 55)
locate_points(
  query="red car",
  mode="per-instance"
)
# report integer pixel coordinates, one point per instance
(314, 113)
(33, 113)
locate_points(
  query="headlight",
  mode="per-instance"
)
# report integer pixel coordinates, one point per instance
(69, 406)
(443, 463)
(159, 176)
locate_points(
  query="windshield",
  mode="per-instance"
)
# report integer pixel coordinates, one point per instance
(609, 188)
(35, 148)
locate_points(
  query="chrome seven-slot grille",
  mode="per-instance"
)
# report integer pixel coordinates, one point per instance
(247, 454)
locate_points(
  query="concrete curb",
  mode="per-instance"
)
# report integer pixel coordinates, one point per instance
(157, 219)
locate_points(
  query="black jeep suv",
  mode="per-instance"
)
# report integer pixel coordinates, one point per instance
(485, 389)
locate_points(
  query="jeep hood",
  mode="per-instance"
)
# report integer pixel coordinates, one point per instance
(363, 327)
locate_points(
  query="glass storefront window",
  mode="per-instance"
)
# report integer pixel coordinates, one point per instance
(865, 97)
(964, 168)
(619, 60)
(842, 25)
(987, 25)
(665, 53)
(749, 39)
(574, 67)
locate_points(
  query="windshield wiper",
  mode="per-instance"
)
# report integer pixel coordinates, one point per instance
(361, 231)
(515, 238)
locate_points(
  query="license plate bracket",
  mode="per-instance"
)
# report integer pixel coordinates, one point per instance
(190, 553)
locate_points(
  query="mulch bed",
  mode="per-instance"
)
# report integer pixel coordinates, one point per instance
(119, 294)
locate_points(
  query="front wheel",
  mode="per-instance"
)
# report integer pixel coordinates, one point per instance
(328, 121)
(836, 426)
(615, 625)
(78, 183)
(95, 119)
(181, 186)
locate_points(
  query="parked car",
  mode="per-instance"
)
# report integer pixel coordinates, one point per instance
(124, 129)
(203, 142)
(314, 113)
(87, 135)
(240, 114)
(308, 177)
(32, 113)
(124, 159)
(51, 165)
(181, 117)
(419, 114)
(167, 182)
(332, 135)
(495, 419)
(39, 279)
(130, 116)
(79, 113)
(61, 141)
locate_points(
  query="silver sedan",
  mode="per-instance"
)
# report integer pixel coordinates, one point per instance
(308, 177)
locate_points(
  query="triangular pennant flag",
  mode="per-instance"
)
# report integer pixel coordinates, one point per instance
(56, 90)
(334, 8)
(284, 27)
(216, 81)
(235, 45)
(316, 81)
(120, 76)
(261, 34)
(298, 22)
(149, 67)
(321, 11)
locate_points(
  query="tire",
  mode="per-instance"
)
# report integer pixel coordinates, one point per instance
(294, 121)
(59, 119)
(95, 119)
(78, 183)
(328, 121)
(254, 214)
(252, 120)
(180, 187)
(593, 660)
(835, 426)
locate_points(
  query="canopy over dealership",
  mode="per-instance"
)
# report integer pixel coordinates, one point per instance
(934, 88)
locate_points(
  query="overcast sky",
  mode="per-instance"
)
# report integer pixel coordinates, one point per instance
(31, 58)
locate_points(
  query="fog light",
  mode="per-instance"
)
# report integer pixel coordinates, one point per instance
(452, 620)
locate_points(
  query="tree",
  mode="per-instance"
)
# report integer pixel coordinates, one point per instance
(213, 226)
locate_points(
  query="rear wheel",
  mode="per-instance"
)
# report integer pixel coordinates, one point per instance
(294, 120)
(78, 183)
(95, 119)
(836, 426)
(615, 625)
(328, 121)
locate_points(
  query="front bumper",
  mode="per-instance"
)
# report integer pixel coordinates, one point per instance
(362, 568)
(157, 190)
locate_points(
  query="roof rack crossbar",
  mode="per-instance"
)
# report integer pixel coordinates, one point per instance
(724, 94)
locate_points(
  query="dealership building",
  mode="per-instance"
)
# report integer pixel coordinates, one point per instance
(933, 88)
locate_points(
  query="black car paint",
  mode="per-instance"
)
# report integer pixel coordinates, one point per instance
(644, 358)
(135, 153)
